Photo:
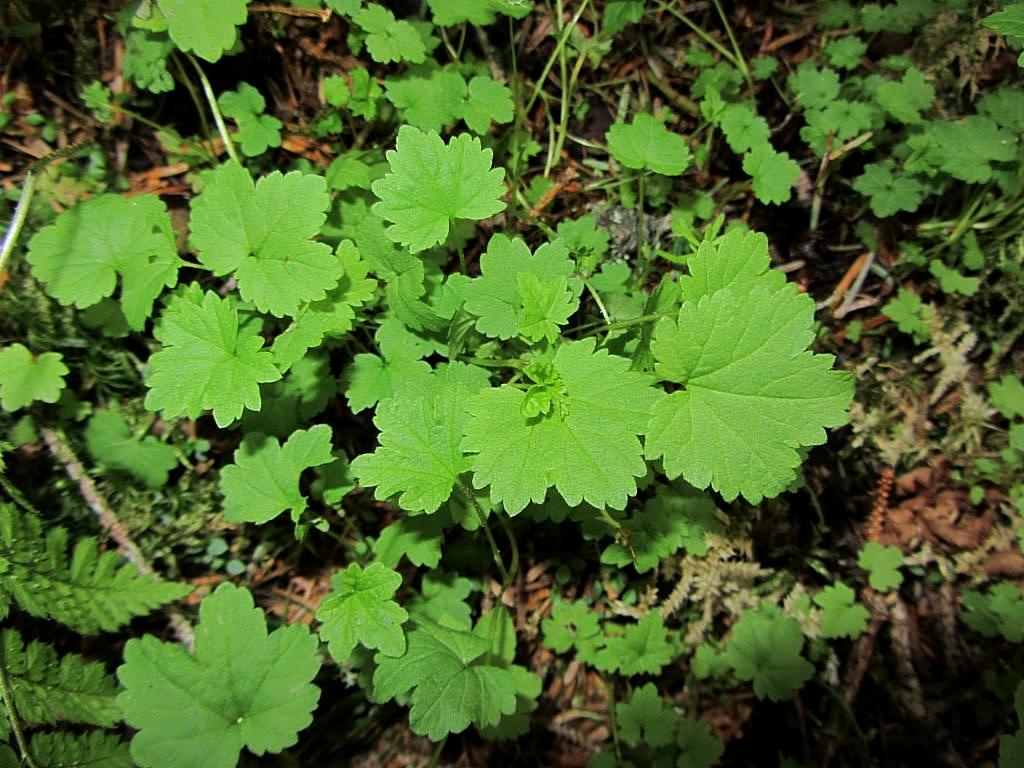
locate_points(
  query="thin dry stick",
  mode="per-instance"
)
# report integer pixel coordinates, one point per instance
(63, 452)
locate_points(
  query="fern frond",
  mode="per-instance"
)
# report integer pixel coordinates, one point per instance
(49, 688)
(89, 591)
(95, 749)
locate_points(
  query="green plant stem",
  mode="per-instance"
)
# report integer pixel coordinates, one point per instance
(513, 568)
(641, 224)
(726, 54)
(7, 694)
(436, 757)
(643, 319)
(562, 39)
(610, 688)
(183, 78)
(741, 63)
(211, 100)
(482, 517)
(18, 220)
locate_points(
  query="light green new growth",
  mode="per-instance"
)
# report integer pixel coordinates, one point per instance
(241, 688)
(642, 649)
(387, 39)
(577, 430)
(361, 609)
(207, 361)
(26, 378)
(264, 480)
(80, 256)
(430, 184)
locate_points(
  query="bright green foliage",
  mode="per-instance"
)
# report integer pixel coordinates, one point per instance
(646, 144)
(1000, 612)
(49, 689)
(906, 99)
(841, 118)
(642, 649)
(86, 590)
(26, 378)
(417, 538)
(587, 447)
(80, 256)
(501, 297)
(387, 39)
(965, 150)
(1011, 746)
(430, 184)
(145, 61)
(97, 98)
(773, 173)
(585, 240)
(371, 378)
(448, 13)
(846, 52)
(428, 98)
(907, 311)
(889, 194)
(765, 647)
(452, 685)
(545, 306)
(743, 128)
(667, 523)
(331, 316)
(1007, 396)
(420, 434)
(645, 718)
(264, 480)
(738, 347)
(489, 102)
(1006, 106)
(256, 131)
(205, 27)
(361, 609)
(442, 599)
(111, 442)
(882, 564)
(619, 13)
(841, 615)
(699, 747)
(951, 281)
(263, 233)
(241, 688)
(207, 361)
(571, 624)
(814, 88)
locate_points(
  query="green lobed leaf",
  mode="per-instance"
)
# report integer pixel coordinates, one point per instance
(263, 481)
(765, 647)
(588, 450)
(80, 256)
(388, 39)
(646, 144)
(841, 615)
(420, 455)
(882, 564)
(431, 184)
(263, 233)
(241, 688)
(644, 718)
(26, 378)
(361, 609)
(752, 396)
(205, 27)
(207, 362)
